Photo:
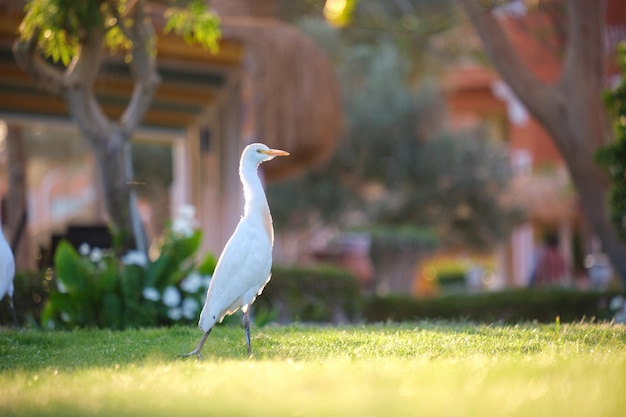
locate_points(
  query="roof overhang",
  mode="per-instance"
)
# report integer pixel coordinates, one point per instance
(191, 78)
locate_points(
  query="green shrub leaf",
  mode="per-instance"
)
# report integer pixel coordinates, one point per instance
(67, 265)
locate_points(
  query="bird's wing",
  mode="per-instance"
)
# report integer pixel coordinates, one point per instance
(7, 268)
(243, 269)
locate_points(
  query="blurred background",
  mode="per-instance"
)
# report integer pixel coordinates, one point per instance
(414, 165)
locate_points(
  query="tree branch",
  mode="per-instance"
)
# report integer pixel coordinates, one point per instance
(80, 96)
(84, 68)
(143, 68)
(27, 57)
(119, 18)
(540, 99)
(584, 53)
(583, 76)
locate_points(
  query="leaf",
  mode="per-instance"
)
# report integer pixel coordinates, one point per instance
(156, 271)
(111, 313)
(62, 304)
(208, 264)
(67, 266)
(48, 314)
(132, 284)
(196, 23)
(185, 248)
(109, 278)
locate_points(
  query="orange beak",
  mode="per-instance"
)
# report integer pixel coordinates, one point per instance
(275, 152)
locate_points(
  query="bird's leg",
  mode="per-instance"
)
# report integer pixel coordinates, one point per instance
(196, 351)
(12, 307)
(246, 325)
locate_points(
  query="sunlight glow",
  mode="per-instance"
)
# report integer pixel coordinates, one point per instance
(339, 12)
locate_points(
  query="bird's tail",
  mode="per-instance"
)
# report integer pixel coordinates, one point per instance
(206, 321)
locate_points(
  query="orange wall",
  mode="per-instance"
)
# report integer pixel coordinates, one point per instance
(533, 138)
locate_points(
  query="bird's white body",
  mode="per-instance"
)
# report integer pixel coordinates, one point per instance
(7, 268)
(241, 273)
(243, 268)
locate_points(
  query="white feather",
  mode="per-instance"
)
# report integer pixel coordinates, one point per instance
(243, 268)
(7, 268)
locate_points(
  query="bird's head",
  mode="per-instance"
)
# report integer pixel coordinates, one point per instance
(258, 153)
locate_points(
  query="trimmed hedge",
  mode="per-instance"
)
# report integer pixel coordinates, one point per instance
(331, 295)
(310, 294)
(510, 306)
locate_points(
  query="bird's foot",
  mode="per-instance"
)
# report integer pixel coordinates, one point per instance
(193, 352)
(198, 348)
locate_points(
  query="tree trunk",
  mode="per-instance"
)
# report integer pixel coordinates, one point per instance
(113, 157)
(17, 200)
(110, 141)
(571, 110)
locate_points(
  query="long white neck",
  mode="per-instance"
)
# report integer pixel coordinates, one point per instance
(256, 208)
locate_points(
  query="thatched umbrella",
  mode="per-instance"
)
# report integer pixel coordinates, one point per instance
(295, 98)
(293, 94)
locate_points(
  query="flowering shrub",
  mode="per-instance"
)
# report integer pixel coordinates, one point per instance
(97, 288)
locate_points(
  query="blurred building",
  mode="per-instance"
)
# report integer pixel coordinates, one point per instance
(267, 83)
(477, 96)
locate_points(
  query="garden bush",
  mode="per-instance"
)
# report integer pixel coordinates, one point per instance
(309, 294)
(612, 156)
(327, 294)
(511, 306)
(30, 296)
(96, 288)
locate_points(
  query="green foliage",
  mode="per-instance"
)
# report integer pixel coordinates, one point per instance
(100, 290)
(512, 306)
(31, 293)
(61, 26)
(195, 23)
(613, 156)
(454, 187)
(309, 294)
(396, 166)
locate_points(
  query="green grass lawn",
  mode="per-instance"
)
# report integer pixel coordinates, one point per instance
(416, 369)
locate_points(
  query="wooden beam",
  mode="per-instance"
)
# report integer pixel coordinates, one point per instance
(44, 104)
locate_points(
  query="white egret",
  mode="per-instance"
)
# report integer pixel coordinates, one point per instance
(243, 268)
(7, 272)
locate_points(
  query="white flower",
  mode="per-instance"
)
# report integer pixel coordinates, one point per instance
(135, 257)
(620, 317)
(61, 287)
(192, 283)
(187, 211)
(190, 307)
(151, 293)
(616, 303)
(96, 255)
(175, 313)
(185, 222)
(65, 317)
(84, 249)
(182, 227)
(171, 296)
